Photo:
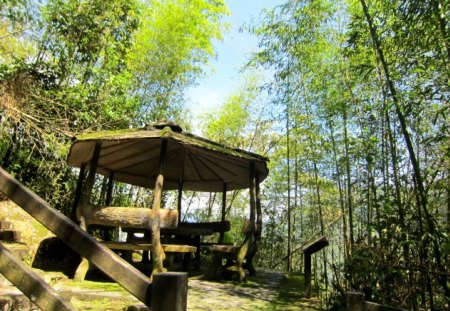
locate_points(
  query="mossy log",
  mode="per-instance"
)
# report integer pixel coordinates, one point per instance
(130, 217)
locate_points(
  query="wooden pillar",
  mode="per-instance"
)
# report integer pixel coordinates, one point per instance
(110, 190)
(252, 195)
(78, 189)
(307, 258)
(246, 246)
(180, 185)
(89, 185)
(157, 250)
(258, 208)
(224, 206)
(169, 291)
(83, 267)
(258, 226)
(107, 233)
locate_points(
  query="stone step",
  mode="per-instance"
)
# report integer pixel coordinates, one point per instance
(21, 251)
(13, 299)
(9, 236)
(5, 225)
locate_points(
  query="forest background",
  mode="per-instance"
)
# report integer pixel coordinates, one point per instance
(349, 99)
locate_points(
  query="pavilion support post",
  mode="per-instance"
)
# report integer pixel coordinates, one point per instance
(83, 268)
(107, 232)
(157, 250)
(109, 190)
(88, 186)
(224, 206)
(255, 192)
(180, 198)
(180, 185)
(247, 245)
(78, 189)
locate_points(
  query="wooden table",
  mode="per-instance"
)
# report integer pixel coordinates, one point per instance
(187, 235)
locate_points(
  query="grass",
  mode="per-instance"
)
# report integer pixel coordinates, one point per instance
(291, 295)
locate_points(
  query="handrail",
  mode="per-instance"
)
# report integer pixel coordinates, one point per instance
(111, 264)
(31, 284)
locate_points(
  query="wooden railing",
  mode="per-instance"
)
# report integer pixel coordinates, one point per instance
(111, 264)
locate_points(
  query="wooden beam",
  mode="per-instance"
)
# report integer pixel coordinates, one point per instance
(81, 242)
(180, 183)
(257, 228)
(29, 283)
(224, 207)
(307, 271)
(89, 185)
(110, 189)
(78, 192)
(246, 247)
(131, 217)
(157, 250)
(214, 226)
(315, 246)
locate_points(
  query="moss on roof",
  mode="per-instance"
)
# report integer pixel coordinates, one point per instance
(183, 137)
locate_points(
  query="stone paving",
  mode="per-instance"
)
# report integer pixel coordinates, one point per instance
(256, 294)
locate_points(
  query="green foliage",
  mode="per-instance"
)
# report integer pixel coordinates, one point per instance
(170, 49)
(70, 66)
(345, 156)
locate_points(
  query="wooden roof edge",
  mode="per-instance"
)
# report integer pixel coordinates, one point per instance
(152, 133)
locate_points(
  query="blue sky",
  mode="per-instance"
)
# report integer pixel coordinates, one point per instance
(212, 89)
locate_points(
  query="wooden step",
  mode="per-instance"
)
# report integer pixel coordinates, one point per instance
(9, 236)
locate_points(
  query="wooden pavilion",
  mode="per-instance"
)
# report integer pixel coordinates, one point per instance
(165, 157)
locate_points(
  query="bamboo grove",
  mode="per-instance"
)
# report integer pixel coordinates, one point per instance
(362, 88)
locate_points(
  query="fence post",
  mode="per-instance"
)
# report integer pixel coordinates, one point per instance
(354, 301)
(169, 291)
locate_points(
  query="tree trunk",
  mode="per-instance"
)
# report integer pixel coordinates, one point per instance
(409, 145)
(341, 192)
(349, 182)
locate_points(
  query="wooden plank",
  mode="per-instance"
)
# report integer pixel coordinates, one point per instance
(219, 248)
(25, 279)
(316, 245)
(170, 248)
(214, 226)
(81, 242)
(157, 250)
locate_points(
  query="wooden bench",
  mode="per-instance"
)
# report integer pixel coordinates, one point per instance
(214, 226)
(170, 249)
(234, 254)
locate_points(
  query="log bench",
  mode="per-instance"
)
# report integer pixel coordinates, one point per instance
(235, 255)
(170, 249)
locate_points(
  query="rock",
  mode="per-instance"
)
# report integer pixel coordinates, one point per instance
(54, 255)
